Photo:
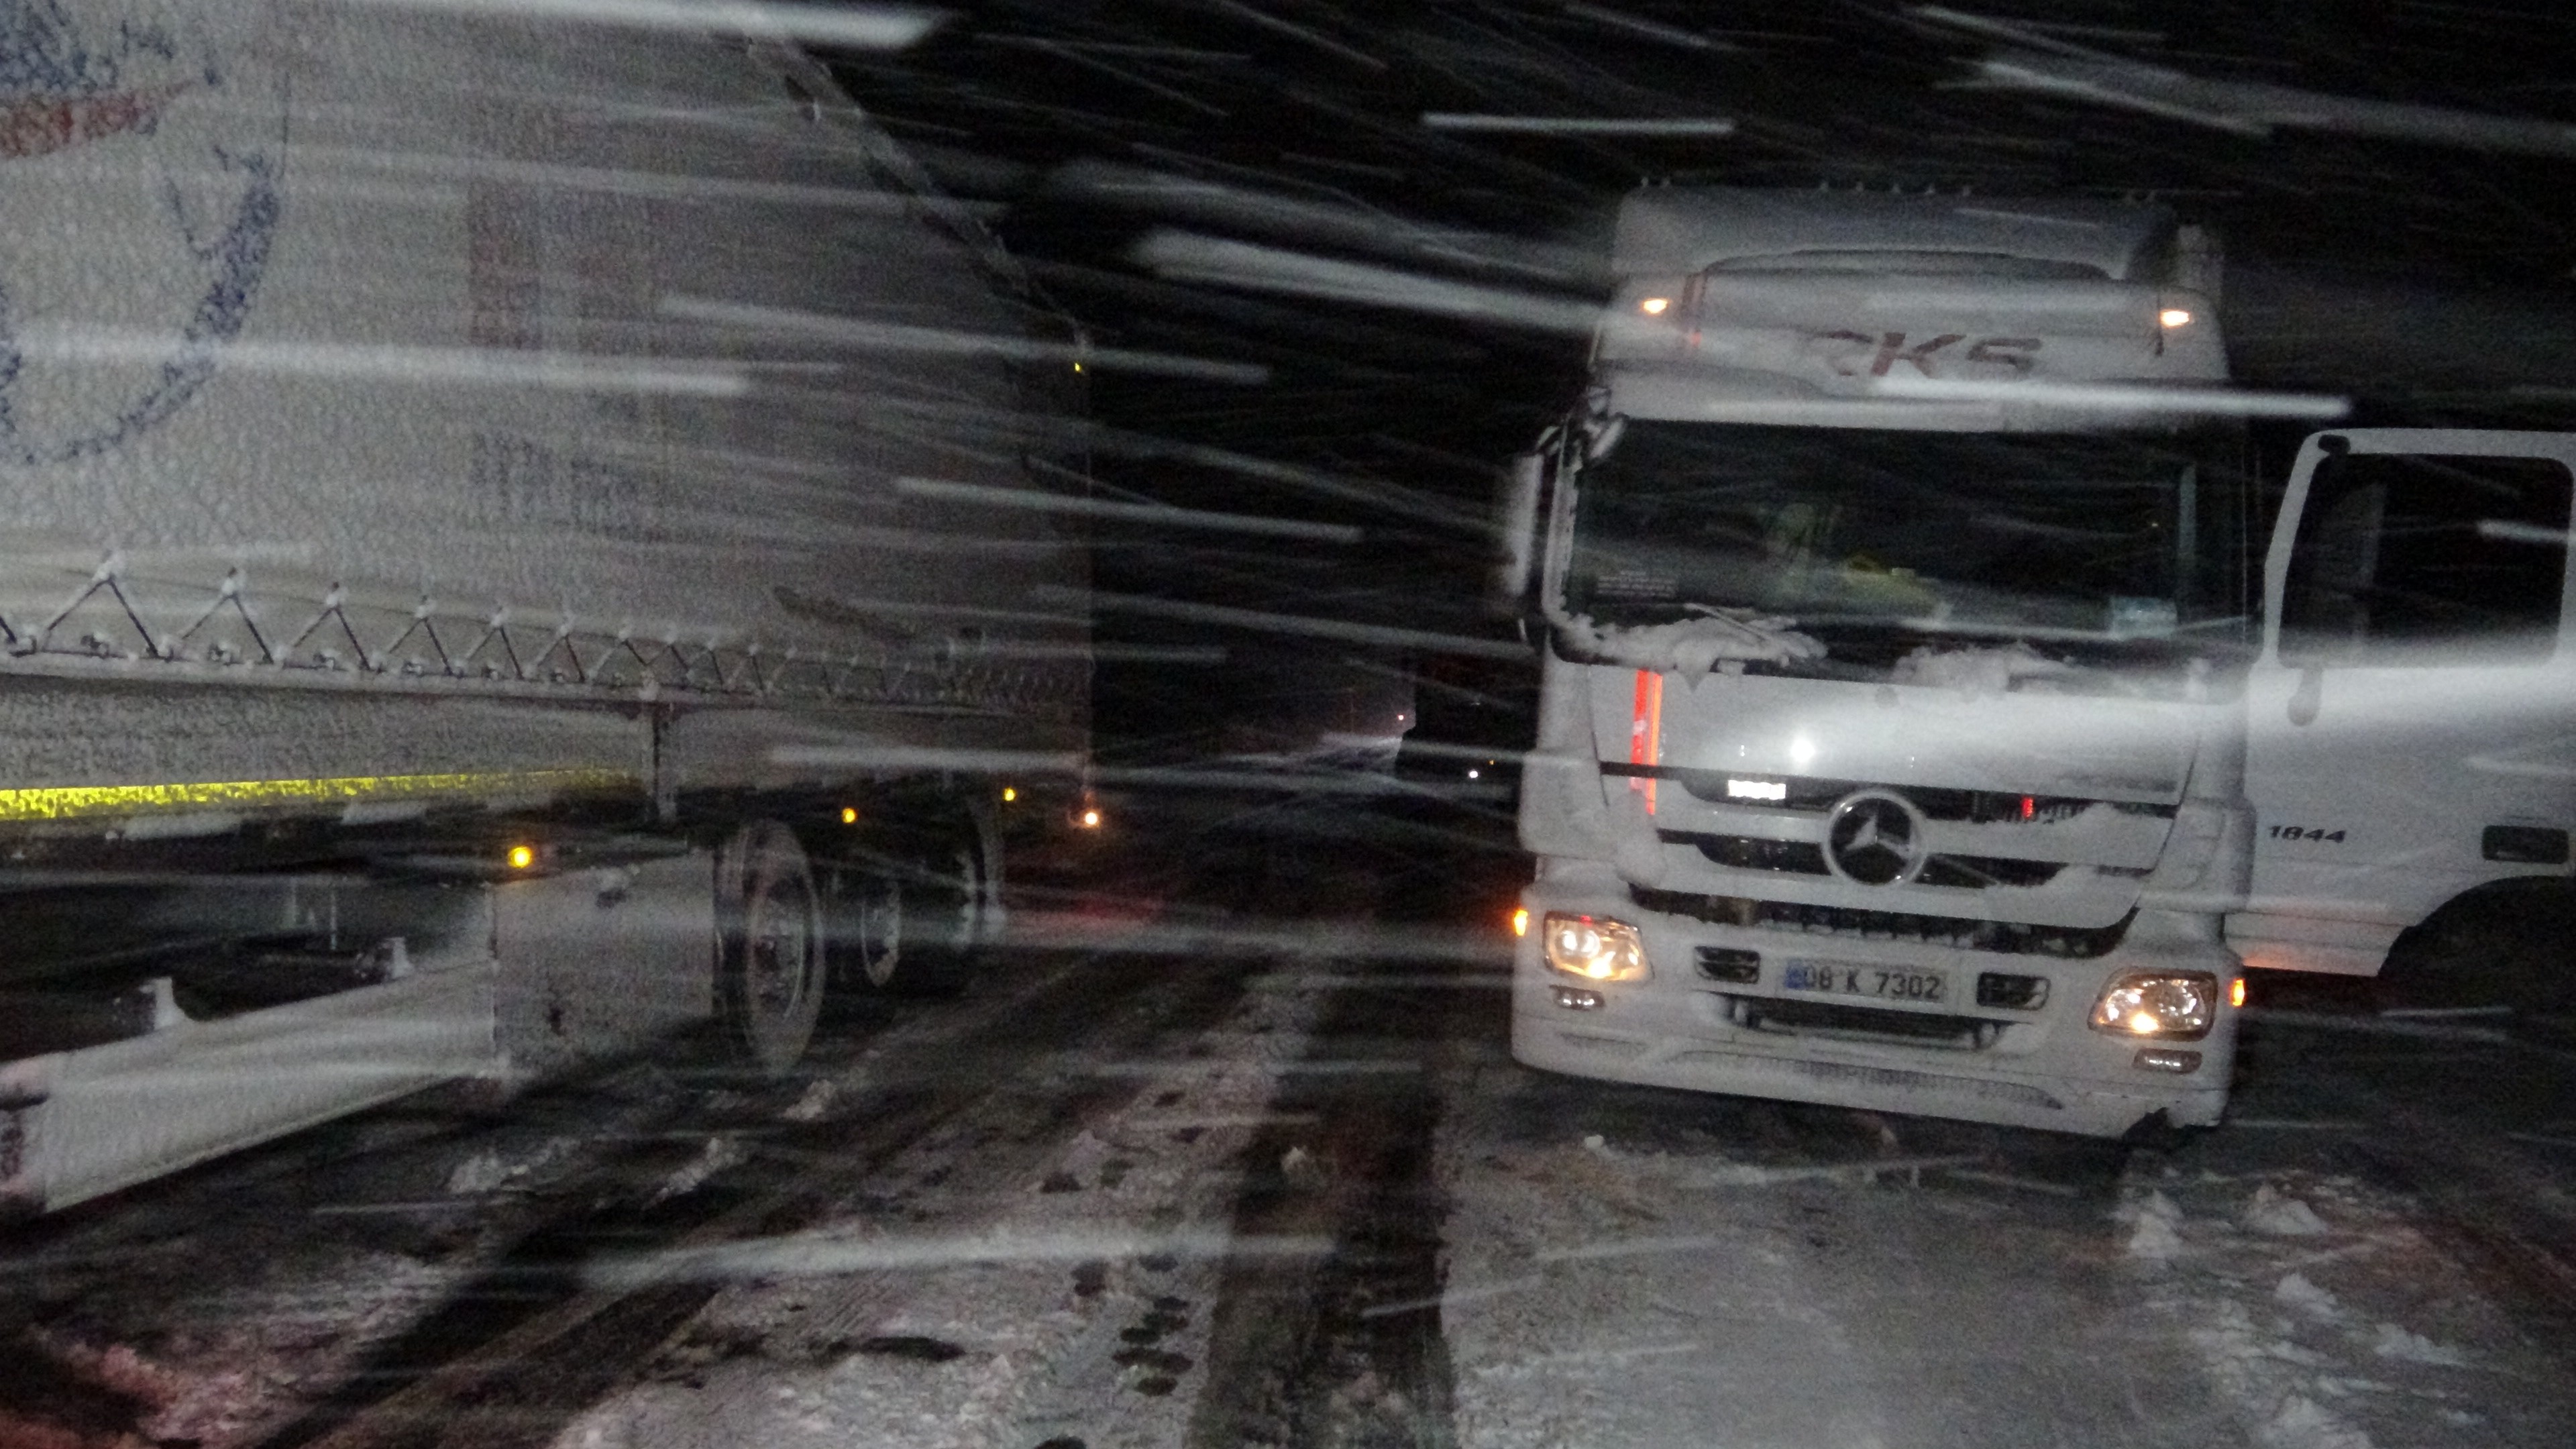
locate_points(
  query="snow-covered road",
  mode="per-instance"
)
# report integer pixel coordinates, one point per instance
(1204, 1180)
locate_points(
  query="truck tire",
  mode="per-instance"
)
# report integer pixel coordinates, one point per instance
(910, 927)
(2508, 948)
(769, 966)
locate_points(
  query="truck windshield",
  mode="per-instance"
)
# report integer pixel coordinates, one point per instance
(2119, 535)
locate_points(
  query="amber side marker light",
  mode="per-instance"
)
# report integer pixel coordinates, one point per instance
(522, 856)
(2236, 992)
(849, 815)
(1009, 794)
(1520, 921)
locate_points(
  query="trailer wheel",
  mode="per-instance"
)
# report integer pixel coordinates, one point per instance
(911, 927)
(769, 967)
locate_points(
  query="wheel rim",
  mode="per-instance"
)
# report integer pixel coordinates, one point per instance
(969, 914)
(780, 947)
(770, 986)
(880, 919)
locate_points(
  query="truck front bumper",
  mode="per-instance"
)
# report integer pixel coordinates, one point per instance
(2044, 1067)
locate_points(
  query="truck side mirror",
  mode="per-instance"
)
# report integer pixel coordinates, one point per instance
(2325, 607)
(1516, 526)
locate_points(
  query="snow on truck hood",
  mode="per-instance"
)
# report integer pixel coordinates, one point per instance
(1951, 725)
(1691, 647)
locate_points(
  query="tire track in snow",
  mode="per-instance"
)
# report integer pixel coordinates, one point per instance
(530, 1346)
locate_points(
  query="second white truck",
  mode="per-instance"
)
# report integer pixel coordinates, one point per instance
(2411, 719)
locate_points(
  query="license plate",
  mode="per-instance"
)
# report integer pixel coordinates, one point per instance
(1848, 978)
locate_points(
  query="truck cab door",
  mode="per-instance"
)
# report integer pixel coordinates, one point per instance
(2411, 718)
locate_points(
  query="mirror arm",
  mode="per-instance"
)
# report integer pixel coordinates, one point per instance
(2310, 693)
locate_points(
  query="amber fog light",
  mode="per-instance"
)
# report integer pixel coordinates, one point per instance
(2167, 1005)
(1594, 947)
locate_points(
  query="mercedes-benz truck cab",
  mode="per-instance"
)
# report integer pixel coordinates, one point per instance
(1891, 738)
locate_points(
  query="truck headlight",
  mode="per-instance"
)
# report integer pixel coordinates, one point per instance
(2165, 1005)
(1594, 949)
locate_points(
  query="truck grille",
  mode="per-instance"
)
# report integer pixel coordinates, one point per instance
(1971, 872)
(2008, 937)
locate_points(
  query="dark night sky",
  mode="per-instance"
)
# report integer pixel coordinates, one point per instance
(2430, 278)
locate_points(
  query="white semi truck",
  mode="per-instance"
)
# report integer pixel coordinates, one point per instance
(1891, 735)
(457, 611)
(2411, 719)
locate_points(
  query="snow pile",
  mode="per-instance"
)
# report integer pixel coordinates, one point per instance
(481, 1173)
(2294, 1291)
(1300, 1168)
(1976, 671)
(491, 1170)
(1692, 647)
(2301, 1423)
(2155, 1225)
(2395, 1342)
(810, 1107)
(720, 1153)
(2282, 1216)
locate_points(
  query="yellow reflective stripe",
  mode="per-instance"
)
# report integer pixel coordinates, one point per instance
(66, 802)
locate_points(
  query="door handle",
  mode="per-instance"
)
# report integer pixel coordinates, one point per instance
(2310, 693)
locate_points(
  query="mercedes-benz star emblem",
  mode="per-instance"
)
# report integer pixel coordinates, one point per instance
(1875, 837)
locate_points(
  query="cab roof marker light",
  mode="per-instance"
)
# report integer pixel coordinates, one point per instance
(2173, 317)
(1655, 306)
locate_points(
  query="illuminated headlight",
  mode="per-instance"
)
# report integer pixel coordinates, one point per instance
(1594, 949)
(2166, 1005)
(1757, 789)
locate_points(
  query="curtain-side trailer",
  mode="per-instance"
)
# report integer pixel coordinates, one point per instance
(458, 613)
